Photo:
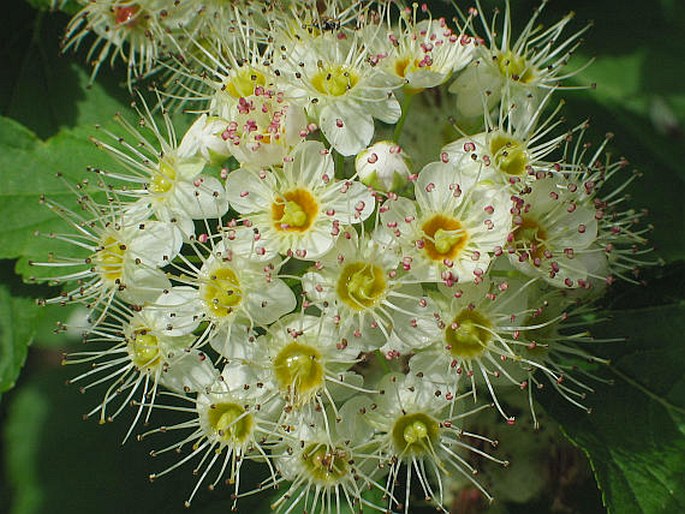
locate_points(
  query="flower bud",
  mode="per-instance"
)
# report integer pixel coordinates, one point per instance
(203, 139)
(383, 166)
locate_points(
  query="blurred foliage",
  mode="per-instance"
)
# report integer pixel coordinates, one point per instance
(17, 327)
(635, 438)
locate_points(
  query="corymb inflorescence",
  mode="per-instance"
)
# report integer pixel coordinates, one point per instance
(302, 291)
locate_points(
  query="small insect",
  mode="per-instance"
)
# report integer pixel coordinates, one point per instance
(328, 24)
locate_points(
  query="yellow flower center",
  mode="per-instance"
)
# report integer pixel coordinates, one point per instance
(509, 154)
(515, 67)
(401, 66)
(295, 211)
(244, 82)
(230, 422)
(110, 259)
(299, 370)
(415, 434)
(143, 349)
(361, 285)
(164, 179)
(445, 237)
(327, 465)
(221, 292)
(334, 80)
(468, 335)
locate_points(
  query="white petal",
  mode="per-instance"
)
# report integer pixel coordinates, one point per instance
(349, 130)
(154, 243)
(247, 193)
(353, 203)
(388, 111)
(310, 165)
(400, 216)
(203, 199)
(178, 311)
(142, 284)
(189, 371)
(269, 303)
(188, 168)
(317, 242)
(470, 87)
(310, 283)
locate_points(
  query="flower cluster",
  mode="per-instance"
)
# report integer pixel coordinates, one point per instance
(304, 292)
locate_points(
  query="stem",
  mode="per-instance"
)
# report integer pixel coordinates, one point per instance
(339, 162)
(406, 103)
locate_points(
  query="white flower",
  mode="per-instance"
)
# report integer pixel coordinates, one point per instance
(524, 69)
(621, 232)
(299, 209)
(506, 153)
(361, 286)
(454, 226)
(167, 182)
(302, 358)
(475, 341)
(326, 465)
(413, 428)
(263, 127)
(123, 255)
(138, 358)
(134, 32)
(231, 423)
(340, 90)
(229, 287)
(423, 54)
(554, 229)
(383, 166)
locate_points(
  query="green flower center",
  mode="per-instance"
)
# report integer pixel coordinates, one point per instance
(334, 80)
(327, 465)
(221, 292)
(509, 154)
(468, 335)
(515, 67)
(164, 178)
(143, 349)
(299, 370)
(415, 434)
(230, 422)
(361, 285)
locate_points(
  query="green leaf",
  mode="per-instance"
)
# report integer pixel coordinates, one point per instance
(635, 436)
(640, 97)
(49, 326)
(29, 170)
(17, 316)
(27, 416)
(49, 90)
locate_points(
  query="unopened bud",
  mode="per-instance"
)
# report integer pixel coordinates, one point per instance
(383, 166)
